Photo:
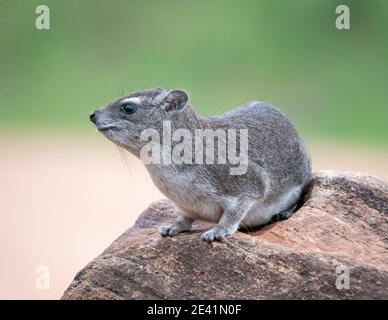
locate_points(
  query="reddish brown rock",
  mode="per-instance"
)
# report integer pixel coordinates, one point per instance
(343, 221)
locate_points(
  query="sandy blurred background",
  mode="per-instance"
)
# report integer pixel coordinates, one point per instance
(66, 193)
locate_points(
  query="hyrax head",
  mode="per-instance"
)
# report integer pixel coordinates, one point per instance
(123, 120)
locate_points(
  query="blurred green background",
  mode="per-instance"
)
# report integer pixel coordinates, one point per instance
(331, 83)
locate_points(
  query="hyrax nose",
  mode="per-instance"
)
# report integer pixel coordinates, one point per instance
(92, 117)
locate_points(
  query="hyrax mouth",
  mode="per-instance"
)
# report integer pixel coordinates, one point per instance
(105, 128)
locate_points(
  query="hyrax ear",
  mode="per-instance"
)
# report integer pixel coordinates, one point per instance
(175, 100)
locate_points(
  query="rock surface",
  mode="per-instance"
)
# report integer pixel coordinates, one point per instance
(343, 222)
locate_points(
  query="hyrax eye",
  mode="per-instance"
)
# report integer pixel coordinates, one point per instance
(129, 108)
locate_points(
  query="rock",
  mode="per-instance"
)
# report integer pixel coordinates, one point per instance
(341, 224)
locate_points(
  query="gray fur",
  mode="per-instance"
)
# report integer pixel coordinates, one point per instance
(279, 166)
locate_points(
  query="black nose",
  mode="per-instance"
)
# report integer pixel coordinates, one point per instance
(92, 117)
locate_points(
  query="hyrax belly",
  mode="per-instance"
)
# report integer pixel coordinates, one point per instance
(197, 201)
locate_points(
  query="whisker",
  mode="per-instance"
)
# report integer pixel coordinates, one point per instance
(150, 79)
(124, 159)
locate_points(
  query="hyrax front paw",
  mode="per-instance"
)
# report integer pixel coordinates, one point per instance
(171, 230)
(165, 230)
(216, 233)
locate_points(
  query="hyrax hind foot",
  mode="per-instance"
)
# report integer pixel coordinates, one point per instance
(283, 215)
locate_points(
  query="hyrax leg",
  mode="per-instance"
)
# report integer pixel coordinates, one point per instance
(229, 222)
(182, 223)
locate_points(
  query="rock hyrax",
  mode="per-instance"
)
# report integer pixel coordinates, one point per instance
(240, 169)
